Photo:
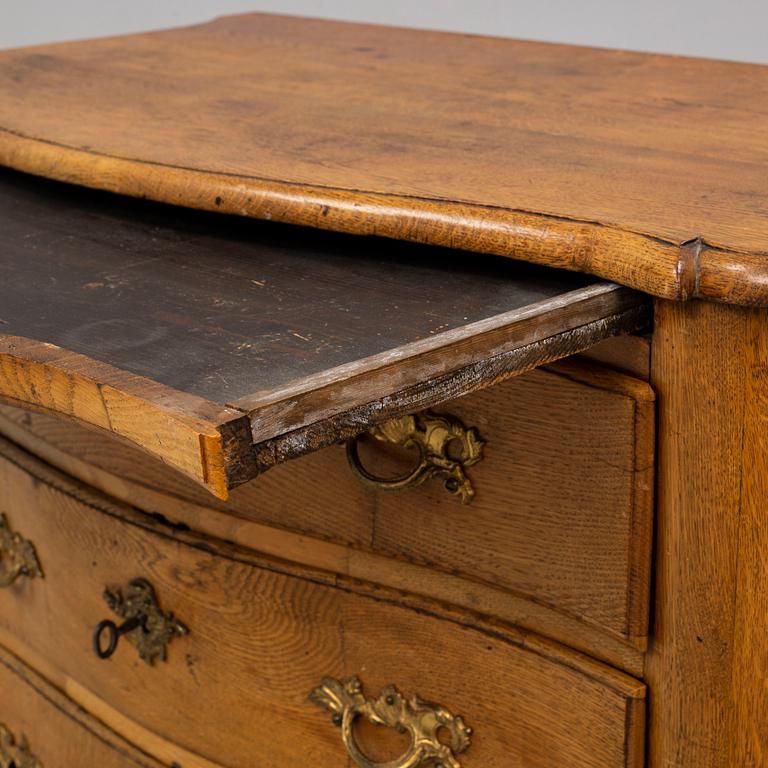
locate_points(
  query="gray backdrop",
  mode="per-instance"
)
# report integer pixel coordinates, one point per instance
(728, 29)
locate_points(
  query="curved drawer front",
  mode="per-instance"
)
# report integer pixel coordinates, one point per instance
(44, 729)
(562, 507)
(235, 689)
(561, 517)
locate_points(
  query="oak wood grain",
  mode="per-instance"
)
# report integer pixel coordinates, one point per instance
(748, 700)
(699, 384)
(196, 437)
(283, 628)
(569, 536)
(629, 354)
(639, 168)
(706, 666)
(59, 732)
(197, 336)
(130, 476)
(571, 532)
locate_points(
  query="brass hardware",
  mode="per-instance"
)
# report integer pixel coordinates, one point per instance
(145, 624)
(13, 755)
(423, 721)
(432, 435)
(20, 556)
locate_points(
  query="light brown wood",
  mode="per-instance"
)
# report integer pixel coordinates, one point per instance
(698, 373)
(749, 695)
(628, 354)
(213, 443)
(707, 661)
(60, 734)
(77, 699)
(193, 435)
(130, 476)
(572, 535)
(194, 338)
(643, 169)
(263, 633)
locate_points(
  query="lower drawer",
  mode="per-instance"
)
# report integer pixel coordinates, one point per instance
(264, 634)
(42, 728)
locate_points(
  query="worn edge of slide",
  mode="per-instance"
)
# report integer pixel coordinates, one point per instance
(645, 262)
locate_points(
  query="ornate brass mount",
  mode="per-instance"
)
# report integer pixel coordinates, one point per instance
(19, 554)
(145, 624)
(432, 435)
(13, 755)
(423, 721)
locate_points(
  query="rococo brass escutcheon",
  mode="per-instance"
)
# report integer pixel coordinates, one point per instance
(13, 754)
(17, 555)
(421, 720)
(432, 435)
(144, 625)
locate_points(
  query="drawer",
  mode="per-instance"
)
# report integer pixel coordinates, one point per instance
(560, 523)
(264, 634)
(563, 506)
(224, 346)
(43, 725)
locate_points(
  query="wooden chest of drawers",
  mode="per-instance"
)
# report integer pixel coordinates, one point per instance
(273, 496)
(432, 573)
(263, 634)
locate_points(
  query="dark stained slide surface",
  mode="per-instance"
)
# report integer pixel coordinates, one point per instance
(220, 306)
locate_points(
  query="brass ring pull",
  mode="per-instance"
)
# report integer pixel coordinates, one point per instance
(145, 624)
(423, 721)
(19, 556)
(15, 754)
(432, 435)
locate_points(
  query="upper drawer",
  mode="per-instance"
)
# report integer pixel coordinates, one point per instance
(557, 537)
(225, 346)
(562, 512)
(262, 636)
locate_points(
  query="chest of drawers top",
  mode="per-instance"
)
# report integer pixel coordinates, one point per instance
(642, 169)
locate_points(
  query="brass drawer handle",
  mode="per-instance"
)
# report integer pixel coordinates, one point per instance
(145, 624)
(432, 435)
(19, 555)
(13, 754)
(423, 721)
